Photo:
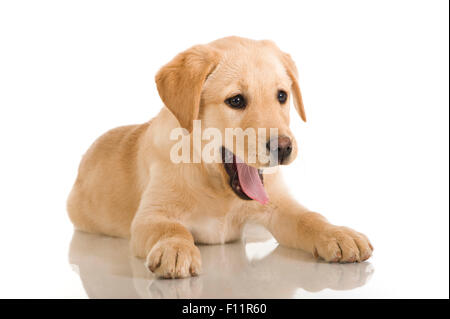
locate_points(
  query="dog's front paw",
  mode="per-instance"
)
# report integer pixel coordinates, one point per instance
(174, 258)
(342, 244)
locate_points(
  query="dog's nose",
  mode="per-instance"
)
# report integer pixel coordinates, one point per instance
(281, 146)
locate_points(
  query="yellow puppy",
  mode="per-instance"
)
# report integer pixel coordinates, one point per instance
(128, 184)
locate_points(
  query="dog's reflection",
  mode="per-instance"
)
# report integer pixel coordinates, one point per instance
(251, 268)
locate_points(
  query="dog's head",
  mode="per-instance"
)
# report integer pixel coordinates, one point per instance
(242, 86)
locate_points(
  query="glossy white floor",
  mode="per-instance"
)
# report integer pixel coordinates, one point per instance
(91, 266)
(254, 268)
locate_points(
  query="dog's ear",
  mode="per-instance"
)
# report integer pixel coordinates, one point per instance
(180, 82)
(293, 74)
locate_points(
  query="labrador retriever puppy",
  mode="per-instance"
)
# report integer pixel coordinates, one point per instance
(128, 184)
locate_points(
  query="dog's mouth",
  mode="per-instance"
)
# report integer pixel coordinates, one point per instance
(246, 181)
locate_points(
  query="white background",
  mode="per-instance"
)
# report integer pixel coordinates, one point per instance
(373, 155)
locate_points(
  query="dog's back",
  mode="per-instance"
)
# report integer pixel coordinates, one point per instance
(106, 193)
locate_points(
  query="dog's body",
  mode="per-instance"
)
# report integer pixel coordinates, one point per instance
(128, 186)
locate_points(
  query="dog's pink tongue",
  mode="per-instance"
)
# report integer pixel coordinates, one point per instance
(251, 183)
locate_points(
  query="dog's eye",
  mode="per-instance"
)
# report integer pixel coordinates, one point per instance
(237, 102)
(282, 96)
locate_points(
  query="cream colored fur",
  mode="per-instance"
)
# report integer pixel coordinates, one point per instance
(127, 186)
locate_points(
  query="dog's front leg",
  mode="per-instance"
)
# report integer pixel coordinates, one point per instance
(166, 244)
(295, 226)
